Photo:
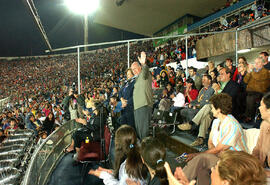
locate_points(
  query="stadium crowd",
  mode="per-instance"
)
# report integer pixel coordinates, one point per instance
(43, 95)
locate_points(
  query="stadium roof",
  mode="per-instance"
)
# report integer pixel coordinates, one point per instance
(149, 16)
(133, 19)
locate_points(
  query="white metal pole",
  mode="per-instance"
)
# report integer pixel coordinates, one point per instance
(79, 80)
(128, 55)
(236, 47)
(85, 32)
(186, 56)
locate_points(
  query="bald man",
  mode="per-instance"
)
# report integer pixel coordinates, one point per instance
(142, 96)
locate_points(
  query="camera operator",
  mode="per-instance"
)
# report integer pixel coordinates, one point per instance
(92, 123)
(70, 105)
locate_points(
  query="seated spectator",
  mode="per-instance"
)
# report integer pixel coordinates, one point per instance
(172, 78)
(164, 80)
(189, 113)
(153, 155)
(232, 168)
(262, 149)
(89, 101)
(191, 92)
(154, 83)
(214, 75)
(170, 89)
(128, 162)
(165, 101)
(31, 124)
(48, 124)
(116, 108)
(2, 135)
(195, 77)
(220, 66)
(178, 99)
(211, 67)
(12, 125)
(258, 82)
(226, 134)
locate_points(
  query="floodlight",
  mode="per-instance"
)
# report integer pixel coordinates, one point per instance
(84, 7)
(244, 51)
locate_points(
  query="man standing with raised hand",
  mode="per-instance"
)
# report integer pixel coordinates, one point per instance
(142, 96)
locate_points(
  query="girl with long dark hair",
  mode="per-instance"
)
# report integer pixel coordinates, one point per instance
(153, 155)
(128, 163)
(48, 124)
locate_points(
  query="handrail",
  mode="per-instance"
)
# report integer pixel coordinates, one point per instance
(61, 138)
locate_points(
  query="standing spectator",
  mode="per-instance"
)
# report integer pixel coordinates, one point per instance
(126, 97)
(197, 79)
(258, 82)
(70, 105)
(142, 96)
(258, 10)
(242, 71)
(243, 19)
(229, 65)
(265, 56)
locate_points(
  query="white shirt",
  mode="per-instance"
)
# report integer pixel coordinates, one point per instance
(179, 100)
(109, 179)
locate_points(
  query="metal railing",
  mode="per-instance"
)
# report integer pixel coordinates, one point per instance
(47, 155)
(3, 103)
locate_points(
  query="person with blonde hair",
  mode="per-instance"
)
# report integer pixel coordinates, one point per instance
(232, 168)
(238, 168)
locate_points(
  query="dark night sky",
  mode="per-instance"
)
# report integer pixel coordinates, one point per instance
(19, 35)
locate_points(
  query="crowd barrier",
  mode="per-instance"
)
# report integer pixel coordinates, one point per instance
(47, 155)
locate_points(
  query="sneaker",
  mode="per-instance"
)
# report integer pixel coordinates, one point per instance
(185, 126)
(197, 142)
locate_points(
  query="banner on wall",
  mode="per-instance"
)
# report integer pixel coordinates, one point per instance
(178, 31)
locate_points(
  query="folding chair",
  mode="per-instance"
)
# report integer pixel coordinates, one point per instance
(170, 119)
(157, 119)
(164, 118)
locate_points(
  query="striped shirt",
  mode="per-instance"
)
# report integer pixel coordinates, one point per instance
(230, 133)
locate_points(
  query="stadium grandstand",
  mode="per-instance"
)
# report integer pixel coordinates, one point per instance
(135, 92)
